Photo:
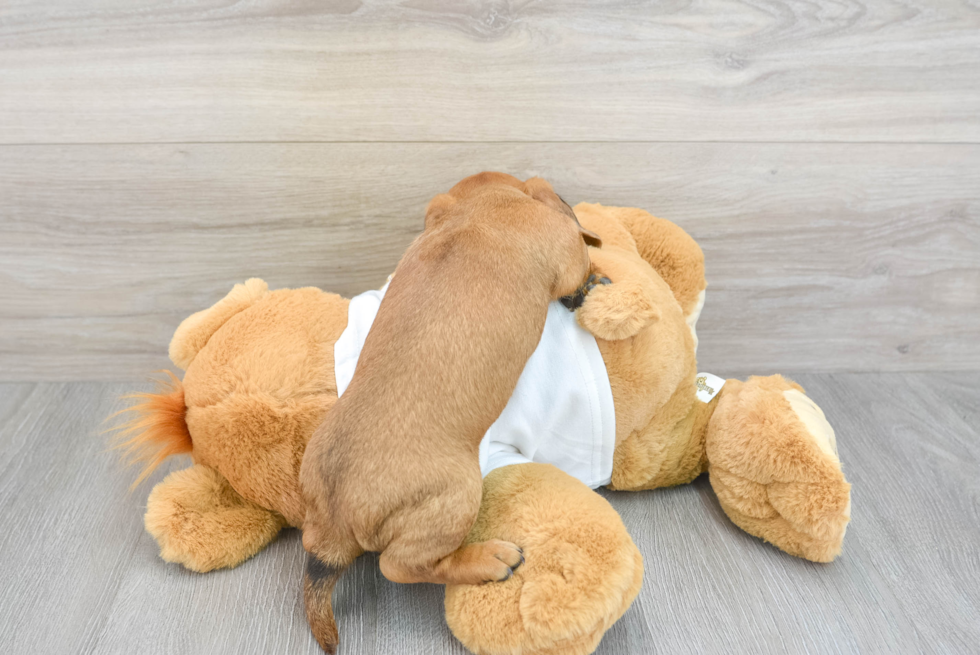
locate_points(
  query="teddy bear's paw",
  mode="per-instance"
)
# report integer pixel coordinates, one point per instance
(618, 310)
(199, 521)
(773, 463)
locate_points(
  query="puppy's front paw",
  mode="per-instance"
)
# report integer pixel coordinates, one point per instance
(617, 311)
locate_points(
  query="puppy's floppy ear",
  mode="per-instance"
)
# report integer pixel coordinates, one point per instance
(541, 191)
(590, 237)
(437, 209)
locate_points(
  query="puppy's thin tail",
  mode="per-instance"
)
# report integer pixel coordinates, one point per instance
(318, 582)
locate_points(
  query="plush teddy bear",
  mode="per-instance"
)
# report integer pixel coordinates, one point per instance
(260, 375)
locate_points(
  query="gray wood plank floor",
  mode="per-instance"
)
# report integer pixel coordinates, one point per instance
(81, 575)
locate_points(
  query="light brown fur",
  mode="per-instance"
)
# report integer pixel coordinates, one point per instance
(462, 314)
(260, 378)
(191, 508)
(582, 570)
(770, 476)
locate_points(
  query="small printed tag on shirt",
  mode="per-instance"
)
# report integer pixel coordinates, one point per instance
(708, 386)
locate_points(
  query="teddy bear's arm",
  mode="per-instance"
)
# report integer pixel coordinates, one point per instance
(671, 251)
(629, 303)
(665, 246)
(201, 522)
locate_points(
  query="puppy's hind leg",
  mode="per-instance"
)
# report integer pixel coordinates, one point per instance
(487, 561)
(427, 545)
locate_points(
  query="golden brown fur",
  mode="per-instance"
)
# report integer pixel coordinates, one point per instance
(582, 570)
(204, 524)
(260, 378)
(462, 314)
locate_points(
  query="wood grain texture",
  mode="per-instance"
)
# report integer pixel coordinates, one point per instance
(819, 256)
(825, 155)
(81, 575)
(429, 70)
(907, 579)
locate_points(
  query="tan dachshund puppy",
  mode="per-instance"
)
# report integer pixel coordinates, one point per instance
(394, 467)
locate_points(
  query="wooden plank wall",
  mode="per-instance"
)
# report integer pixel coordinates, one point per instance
(152, 154)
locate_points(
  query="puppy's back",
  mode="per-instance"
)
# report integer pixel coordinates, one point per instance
(450, 340)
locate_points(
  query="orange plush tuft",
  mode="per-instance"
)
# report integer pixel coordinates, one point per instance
(157, 430)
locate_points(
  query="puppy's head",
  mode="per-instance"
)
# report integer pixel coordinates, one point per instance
(528, 214)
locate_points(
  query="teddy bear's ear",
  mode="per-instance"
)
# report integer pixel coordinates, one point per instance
(437, 209)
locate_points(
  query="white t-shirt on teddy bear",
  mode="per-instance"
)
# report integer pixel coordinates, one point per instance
(561, 412)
